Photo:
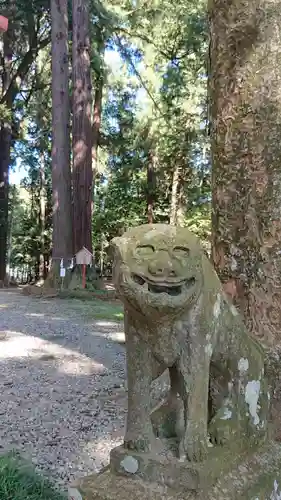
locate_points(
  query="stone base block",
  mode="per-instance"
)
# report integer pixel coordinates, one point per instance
(107, 486)
(255, 478)
(169, 472)
(164, 468)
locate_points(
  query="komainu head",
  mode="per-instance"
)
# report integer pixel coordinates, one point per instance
(157, 269)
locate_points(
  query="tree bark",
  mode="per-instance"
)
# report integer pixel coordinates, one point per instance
(174, 196)
(5, 146)
(245, 97)
(97, 111)
(42, 219)
(151, 185)
(81, 126)
(61, 173)
(96, 122)
(5, 138)
(182, 203)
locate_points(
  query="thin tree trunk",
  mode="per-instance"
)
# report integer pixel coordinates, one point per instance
(42, 215)
(245, 92)
(96, 123)
(174, 196)
(61, 173)
(182, 204)
(11, 202)
(81, 126)
(151, 185)
(96, 133)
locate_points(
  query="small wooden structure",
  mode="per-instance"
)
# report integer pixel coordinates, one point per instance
(85, 258)
(3, 23)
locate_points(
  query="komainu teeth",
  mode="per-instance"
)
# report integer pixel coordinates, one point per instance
(172, 290)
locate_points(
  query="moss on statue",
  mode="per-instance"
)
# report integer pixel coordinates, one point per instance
(178, 317)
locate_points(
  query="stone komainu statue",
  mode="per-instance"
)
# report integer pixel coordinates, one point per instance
(178, 317)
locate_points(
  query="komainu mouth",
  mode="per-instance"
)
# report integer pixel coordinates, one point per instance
(173, 288)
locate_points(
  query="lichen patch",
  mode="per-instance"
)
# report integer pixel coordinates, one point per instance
(252, 393)
(130, 464)
(234, 310)
(208, 349)
(243, 365)
(217, 306)
(227, 414)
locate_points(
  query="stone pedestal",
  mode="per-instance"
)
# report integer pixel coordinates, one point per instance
(171, 472)
(255, 478)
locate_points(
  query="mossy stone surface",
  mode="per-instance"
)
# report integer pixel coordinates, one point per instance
(257, 478)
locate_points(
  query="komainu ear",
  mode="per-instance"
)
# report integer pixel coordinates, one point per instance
(114, 246)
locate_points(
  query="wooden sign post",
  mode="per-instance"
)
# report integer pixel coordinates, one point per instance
(3, 23)
(83, 275)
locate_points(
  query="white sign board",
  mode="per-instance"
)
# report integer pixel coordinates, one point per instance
(84, 257)
(62, 272)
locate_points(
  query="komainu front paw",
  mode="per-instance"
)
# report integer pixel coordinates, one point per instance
(222, 428)
(194, 447)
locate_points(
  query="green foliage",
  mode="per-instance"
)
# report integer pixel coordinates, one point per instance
(154, 109)
(18, 481)
(163, 47)
(5, 113)
(199, 221)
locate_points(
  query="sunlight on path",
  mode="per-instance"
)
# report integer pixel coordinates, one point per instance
(63, 385)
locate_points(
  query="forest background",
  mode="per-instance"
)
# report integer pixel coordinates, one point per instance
(124, 112)
(149, 103)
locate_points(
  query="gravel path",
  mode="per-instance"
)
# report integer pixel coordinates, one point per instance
(62, 382)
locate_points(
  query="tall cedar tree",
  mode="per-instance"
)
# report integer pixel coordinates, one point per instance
(245, 92)
(5, 147)
(81, 126)
(61, 173)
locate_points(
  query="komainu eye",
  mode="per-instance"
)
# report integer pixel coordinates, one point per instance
(144, 250)
(181, 252)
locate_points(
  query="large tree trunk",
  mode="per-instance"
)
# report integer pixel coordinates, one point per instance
(61, 173)
(81, 126)
(5, 140)
(245, 92)
(5, 146)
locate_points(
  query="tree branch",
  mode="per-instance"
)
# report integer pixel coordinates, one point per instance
(9, 96)
(129, 59)
(144, 38)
